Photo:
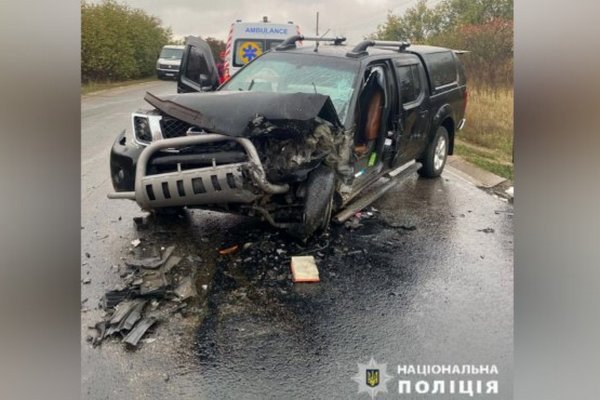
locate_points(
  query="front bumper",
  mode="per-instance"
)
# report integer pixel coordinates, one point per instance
(236, 182)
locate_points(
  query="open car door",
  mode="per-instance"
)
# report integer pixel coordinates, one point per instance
(198, 71)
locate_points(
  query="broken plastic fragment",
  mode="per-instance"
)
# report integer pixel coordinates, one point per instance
(228, 250)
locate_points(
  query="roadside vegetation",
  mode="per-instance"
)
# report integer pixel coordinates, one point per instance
(120, 45)
(485, 29)
(118, 42)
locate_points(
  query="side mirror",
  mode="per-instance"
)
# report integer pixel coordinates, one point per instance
(205, 83)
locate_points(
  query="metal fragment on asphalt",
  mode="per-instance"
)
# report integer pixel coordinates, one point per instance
(134, 316)
(154, 283)
(114, 297)
(151, 262)
(139, 330)
(171, 263)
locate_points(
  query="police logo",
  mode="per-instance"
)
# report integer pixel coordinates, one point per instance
(372, 377)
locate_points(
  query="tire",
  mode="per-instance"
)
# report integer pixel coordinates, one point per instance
(435, 155)
(318, 205)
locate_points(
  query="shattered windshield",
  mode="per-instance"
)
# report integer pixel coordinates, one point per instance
(293, 73)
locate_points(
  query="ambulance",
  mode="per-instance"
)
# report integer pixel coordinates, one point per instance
(248, 40)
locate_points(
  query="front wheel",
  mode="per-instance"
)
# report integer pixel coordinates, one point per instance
(434, 158)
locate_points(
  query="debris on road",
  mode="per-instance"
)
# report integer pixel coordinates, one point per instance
(304, 269)
(228, 250)
(140, 223)
(140, 329)
(151, 262)
(150, 282)
(186, 288)
(86, 281)
(486, 230)
(136, 242)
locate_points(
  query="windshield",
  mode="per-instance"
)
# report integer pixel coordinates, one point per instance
(304, 73)
(171, 53)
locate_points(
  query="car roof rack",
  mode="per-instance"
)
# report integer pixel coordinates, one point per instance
(290, 42)
(360, 50)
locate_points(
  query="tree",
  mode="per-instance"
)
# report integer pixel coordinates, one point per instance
(418, 24)
(216, 46)
(483, 27)
(118, 42)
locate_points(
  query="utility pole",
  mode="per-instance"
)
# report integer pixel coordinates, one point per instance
(317, 29)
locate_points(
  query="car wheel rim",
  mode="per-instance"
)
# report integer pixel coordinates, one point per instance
(440, 153)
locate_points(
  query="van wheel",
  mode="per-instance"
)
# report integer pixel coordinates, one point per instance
(434, 158)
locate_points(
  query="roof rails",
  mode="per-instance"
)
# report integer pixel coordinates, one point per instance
(290, 42)
(360, 49)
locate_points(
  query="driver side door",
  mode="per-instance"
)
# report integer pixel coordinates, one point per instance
(198, 71)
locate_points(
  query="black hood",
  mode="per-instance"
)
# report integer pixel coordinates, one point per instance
(233, 113)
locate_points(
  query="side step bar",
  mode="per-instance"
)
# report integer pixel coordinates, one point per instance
(384, 184)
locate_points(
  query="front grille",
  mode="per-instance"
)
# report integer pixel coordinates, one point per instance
(172, 127)
(166, 66)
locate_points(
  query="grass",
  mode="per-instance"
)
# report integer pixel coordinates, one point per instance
(91, 87)
(487, 138)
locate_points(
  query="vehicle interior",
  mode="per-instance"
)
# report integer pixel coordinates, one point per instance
(374, 119)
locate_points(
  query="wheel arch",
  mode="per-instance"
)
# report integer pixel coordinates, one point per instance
(448, 123)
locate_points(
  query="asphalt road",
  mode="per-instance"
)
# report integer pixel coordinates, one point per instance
(427, 280)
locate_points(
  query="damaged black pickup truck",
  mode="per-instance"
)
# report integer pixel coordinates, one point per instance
(295, 134)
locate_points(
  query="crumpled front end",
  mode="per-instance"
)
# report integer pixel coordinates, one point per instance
(196, 153)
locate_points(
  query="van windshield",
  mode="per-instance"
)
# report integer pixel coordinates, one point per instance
(304, 73)
(171, 53)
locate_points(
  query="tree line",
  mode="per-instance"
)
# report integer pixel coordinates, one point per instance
(482, 27)
(119, 42)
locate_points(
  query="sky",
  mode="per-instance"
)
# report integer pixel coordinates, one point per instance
(351, 18)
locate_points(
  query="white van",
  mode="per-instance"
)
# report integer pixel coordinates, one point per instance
(168, 61)
(248, 40)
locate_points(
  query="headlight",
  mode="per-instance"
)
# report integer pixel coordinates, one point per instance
(141, 128)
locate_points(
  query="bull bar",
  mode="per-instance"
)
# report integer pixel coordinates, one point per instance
(207, 185)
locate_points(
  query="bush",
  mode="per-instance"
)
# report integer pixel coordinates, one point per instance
(119, 43)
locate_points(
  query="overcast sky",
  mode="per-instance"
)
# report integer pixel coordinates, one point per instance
(352, 18)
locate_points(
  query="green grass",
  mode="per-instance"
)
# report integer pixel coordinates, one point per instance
(484, 159)
(91, 87)
(487, 139)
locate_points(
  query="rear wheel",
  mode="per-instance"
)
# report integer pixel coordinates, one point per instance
(434, 158)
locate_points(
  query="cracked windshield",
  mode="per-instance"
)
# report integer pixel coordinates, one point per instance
(293, 74)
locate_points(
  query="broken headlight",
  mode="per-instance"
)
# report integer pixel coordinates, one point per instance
(141, 129)
(146, 127)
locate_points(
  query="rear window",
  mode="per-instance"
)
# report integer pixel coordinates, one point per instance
(442, 68)
(246, 50)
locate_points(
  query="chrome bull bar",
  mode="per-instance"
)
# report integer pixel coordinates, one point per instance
(208, 185)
